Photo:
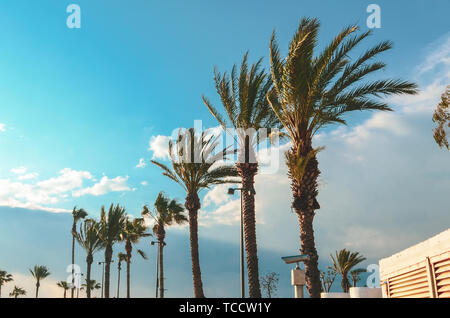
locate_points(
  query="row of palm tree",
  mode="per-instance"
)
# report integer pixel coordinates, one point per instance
(303, 93)
(116, 226)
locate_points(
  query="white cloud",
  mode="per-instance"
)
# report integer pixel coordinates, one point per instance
(144, 183)
(20, 170)
(2, 127)
(105, 185)
(141, 164)
(160, 146)
(218, 195)
(45, 194)
(29, 176)
(67, 180)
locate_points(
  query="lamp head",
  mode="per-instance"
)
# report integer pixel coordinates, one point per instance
(231, 191)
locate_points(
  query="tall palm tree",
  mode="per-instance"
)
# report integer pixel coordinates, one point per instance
(4, 278)
(63, 285)
(132, 232)
(17, 291)
(121, 257)
(244, 100)
(92, 285)
(77, 215)
(167, 213)
(343, 262)
(89, 239)
(312, 91)
(111, 227)
(195, 167)
(39, 273)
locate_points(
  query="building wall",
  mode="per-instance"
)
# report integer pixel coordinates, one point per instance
(421, 271)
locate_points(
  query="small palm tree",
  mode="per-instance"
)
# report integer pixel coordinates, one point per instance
(195, 167)
(244, 100)
(89, 239)
(311, 91)
(121, 257)
(343, 262)
(39, 272)
(167, 213)
(132, 232)
(63, 285)
(77, 215)
(355, 275)
(4, 278)
(92, 285)
(17, 291)
(111, 227)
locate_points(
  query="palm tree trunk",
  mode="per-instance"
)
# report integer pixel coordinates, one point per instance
(65, 293)
(128, 249)
(89, 260)
(247, 171)
(37, 290)
(305, 204)
(0, 291)
(74, 229)
(345, 283)
(108, 257)
(161, 267)
(193, 205)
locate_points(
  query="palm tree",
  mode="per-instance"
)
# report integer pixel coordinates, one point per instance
(312, 91)
(355, 275)
(4, 278)
(63, 285)
(195, 167)
(89, 239)
(77, 215)
(167, 212)
(39, 273)
(111, 226)
(343, 262)
(132, 232)
(121, 257)
(17, 291)
(93, 285)
(244, 100)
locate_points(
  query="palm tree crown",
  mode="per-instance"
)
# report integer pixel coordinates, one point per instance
(17, 291)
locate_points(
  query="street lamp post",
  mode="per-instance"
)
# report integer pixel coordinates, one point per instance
(251, 192)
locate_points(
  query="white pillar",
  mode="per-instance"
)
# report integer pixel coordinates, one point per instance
(298, 280)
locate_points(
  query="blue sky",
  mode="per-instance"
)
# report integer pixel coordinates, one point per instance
(80, 108)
